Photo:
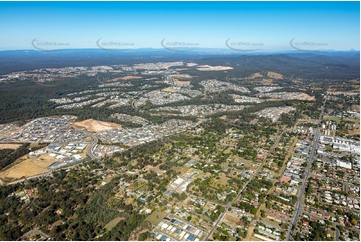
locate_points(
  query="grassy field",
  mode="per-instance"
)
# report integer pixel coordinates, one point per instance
(156, 217)
(238, 159)
(169, 89)
(229, 218)
(112, 223)
(290, 152)
(222, 181)
(181, 169)
(338, 120)
(27, 167)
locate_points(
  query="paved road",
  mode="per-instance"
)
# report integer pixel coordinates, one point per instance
(230, 204)
(89, 153)
(91, 148)
(304, 183)
(35, 232)
(307, 173)
(135, 99)
(29, 178)
(337, 234)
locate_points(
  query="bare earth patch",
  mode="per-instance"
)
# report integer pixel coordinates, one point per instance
(355, 108)
(354, 132)
(169, 89)
(181, 76)
(27, 167)
(256, 75)
(93, 126)
(305, 96)
(214, 68)
(112, 223)
(267, 82)
(274, 75)
(9, 146)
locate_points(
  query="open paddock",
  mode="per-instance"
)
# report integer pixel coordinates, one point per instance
(9, 146)
(27, 167)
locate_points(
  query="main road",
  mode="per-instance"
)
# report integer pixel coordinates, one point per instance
(91, 147)
(313, 149)
(304, 183)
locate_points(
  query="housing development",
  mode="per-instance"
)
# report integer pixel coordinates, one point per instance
(180, 121)
(181, 151)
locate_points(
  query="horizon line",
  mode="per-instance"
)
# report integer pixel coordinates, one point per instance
(187, 48)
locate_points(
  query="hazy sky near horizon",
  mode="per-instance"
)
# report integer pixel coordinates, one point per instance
(262, 25)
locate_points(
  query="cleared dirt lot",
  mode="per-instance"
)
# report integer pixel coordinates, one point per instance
(93, 126)
(214, 68)
(182, 83)
(267, 82)
(355, 108)
(181, 76)
(305, 96)
(169, 89)
(27, 167)
(274, 75)
(9, 146)
(256, 75)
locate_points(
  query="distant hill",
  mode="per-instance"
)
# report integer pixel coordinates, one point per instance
(312, 65)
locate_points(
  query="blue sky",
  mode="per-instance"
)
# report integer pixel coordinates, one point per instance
(266, 25)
